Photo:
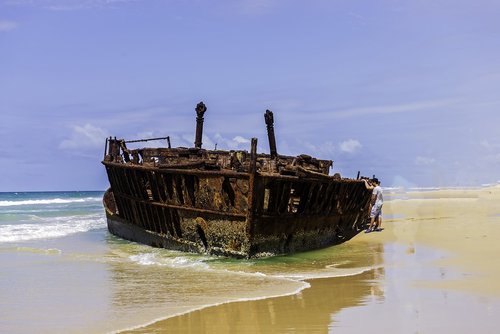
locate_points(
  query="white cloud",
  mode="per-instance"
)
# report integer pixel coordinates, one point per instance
(390, 109)
(350, 146)
(493, 158)
(489, 145)
(424, 161)
(238, 142)
(323, 151)
(6, 25)
(484, 143)
(84, 137)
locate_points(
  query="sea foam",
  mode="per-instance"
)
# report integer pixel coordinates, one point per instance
(48, 228)
(153, 259)
(50, 201)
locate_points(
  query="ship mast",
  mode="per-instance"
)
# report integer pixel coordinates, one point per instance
(200, 111)
(268, 117)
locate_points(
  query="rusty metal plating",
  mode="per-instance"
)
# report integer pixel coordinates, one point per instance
(231, 203)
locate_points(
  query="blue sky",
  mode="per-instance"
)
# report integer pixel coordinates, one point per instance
(406, 90)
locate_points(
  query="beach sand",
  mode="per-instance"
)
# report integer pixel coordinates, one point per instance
(434, 270)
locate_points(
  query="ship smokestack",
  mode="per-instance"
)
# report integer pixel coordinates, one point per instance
(268, 116)
(200, 111)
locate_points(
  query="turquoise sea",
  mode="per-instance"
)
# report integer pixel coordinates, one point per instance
(62, 272)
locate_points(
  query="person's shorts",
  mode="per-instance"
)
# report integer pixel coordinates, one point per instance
(376, 211)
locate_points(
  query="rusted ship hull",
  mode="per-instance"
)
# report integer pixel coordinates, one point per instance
(232, 214)
(233, 203)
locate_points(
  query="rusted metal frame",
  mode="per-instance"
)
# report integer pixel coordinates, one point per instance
(176, 222)
(343, 197)
(272, 185)
(280, 194)
(140, 181)
(166, 220)
(144, 220)
(159, 219)
(138, 209)
(140, 218)
(269, 119)
(360, 195)
(304, 197)
(155, 192)
(192, 186)
(316, 198)
(169, 187)
(285, 197)
(145, 216)
(119, 180)
(145, 185)
(326, 196)
(129, 212)
(179, 187)
(128, 182)
(186, 208)
(228, 173)
(258, 190)
(156, 222)
(312, 204)
(114, 179)
(332, 197)
(297, 185)
(341, 200)
(106, 149)
(111, 178)
(200, 111)
(152, 217)
(335, 196)
(122, 210)
(357, 195)
(133, 207)
(162, 188)
(311, 198)
(147, 139)
(350, 199)
(228, 188)
(134, 185)
(251, 198)
(185, 191)
(116, 173)
(323, 207)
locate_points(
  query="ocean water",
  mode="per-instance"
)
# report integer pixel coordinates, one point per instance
(62, 272)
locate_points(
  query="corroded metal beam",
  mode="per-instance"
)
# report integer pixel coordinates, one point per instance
(200, 111)
(268, 117)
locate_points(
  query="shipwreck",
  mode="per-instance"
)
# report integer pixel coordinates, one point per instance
(233, 203)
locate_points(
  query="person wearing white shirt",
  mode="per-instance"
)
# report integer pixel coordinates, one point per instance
(377, 201)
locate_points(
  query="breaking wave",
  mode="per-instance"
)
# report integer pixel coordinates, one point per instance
(48, 228)
(152, 259)
(50, 201)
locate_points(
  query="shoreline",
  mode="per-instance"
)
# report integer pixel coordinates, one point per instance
(445, 233)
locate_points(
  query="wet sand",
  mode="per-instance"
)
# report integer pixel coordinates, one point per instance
(434, 269)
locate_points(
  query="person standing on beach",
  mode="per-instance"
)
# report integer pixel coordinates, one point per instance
(376, 211)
